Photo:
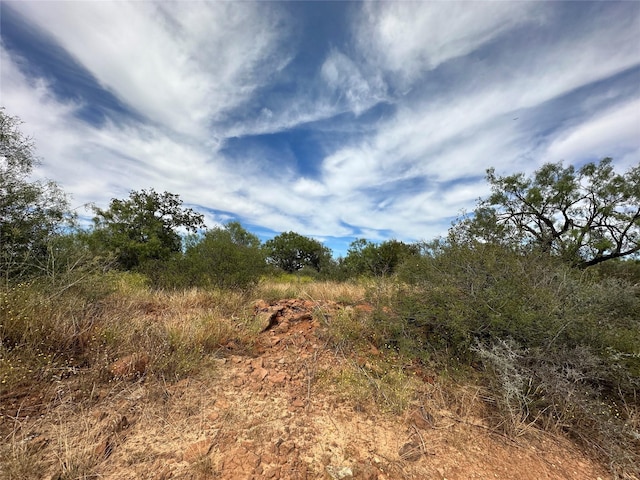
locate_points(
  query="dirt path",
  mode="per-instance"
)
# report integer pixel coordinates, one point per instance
(275, 415)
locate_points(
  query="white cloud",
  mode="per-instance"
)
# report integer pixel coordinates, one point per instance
(345, 79)
(180, 64)
(192, 67)
(462, 132)
(407, 38)
(614, 132)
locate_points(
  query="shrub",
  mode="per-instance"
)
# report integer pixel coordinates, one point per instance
(560, 347)
(226, 257)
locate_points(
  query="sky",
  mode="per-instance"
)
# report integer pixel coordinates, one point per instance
(335, 120)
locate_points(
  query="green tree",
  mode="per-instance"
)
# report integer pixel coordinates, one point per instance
(585, 216)
(227, 257)
(143, 227)
(291, 252)
(367, 258)
(223, 257)
(31, 211)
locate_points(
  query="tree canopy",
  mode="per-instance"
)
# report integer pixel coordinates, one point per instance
(367, 258)
(227, 257)
(291, 252)
(143, 227)
(31, 211)
(585, 216)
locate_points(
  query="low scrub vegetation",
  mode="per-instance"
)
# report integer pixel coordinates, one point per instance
(548, 346)
(558, 347)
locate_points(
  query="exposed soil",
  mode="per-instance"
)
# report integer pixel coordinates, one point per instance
(272, 414)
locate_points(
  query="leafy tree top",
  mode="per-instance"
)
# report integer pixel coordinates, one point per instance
(367, 258)
(291, 252)
(144, 226)
(585, 216)
(31, 211)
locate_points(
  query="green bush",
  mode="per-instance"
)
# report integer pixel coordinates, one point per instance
(559, 347)
(226, 257)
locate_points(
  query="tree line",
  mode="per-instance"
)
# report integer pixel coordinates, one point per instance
(582, 216)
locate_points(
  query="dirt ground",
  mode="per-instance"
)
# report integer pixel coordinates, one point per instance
(272, 414)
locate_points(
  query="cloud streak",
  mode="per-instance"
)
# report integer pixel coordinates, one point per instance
(383, 129)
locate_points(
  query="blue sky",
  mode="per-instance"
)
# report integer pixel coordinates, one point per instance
(335, 120)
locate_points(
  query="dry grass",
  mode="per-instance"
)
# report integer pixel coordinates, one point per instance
(342, 292)
(381, 386)
(49, 336)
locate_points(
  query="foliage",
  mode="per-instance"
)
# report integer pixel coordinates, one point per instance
(223, 257)
(585, 216)
(291, 252)
(541, 331)
(32, 212)
(367, 258)
(143, 228)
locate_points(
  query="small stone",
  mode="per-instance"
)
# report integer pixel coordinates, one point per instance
(410, 452)
(298, 403)
(257, 363)
(104, 448)
(278, 377)
(260, 374)
(283, 327)
(196, 450)
(338, 473)
(422, 419)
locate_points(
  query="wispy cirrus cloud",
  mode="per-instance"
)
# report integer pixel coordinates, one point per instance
(407, 39)
(181, 65)
(383, 129)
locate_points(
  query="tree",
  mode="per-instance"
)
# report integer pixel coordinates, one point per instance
(31, 211)
(223, 257)
(585, 216)
(144, 227)
(227, 257)
(367, 258)
(291, 251)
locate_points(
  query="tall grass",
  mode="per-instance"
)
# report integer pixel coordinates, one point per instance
(47, 333)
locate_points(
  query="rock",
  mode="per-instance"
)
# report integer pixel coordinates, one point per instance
(104, 448)
(304, 317)
(267, 315)
(197, 450)
(238, 382)
(283, 327)
(130, 366)
(410, 452)
(278, 378)
(422, 419)
(241, 462)
(256, 363)
(338, 473)
(259, 374)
